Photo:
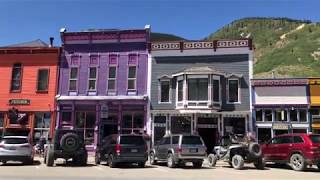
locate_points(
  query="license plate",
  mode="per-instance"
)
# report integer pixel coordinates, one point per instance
(193, 150)
(134, 150)
(11, 148)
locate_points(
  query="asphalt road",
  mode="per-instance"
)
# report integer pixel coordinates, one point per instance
(62, 171)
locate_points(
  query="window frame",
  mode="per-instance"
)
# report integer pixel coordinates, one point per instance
(84, 128)
(130, 79)
(180, 79)
(92, 79)
(114, 79)
(214, 77)
(47, 85)
(20, 80)
(160, 91)
(228, 91)
(198, 78)
(73, 79)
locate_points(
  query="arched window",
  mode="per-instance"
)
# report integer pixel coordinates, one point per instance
(16, 78)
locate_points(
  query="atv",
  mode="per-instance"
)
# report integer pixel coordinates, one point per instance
(236, 151)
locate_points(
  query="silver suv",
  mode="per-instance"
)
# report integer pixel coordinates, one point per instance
(177, 149)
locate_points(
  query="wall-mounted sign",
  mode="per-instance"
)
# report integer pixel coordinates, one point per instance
(19, 101)
(280, 126)
(104, 111)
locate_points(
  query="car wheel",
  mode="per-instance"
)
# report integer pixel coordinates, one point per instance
(259, 164)
(97, 158)
(255, 150)
(111, 161)
(141, 164)
(297, 162)
(83, 159)
(50, 156)
(4, 162)
(170, 161)
(318, 165)
(237, 162)
(212, 160)
(28, 161)
(152, 157)
(197, 164)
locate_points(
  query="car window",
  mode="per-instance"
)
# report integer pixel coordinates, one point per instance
(167, 140)
(14, 140)
(315, 138)
(175, 140)
(297, 139)
(282, 140)
(132, 140)
(191, 140)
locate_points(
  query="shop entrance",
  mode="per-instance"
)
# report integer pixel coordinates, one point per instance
(208, 130)
(108, 126)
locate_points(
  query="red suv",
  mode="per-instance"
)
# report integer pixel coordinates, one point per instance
(299, 150)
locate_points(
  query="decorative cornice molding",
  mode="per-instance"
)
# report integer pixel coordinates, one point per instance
(279, 82)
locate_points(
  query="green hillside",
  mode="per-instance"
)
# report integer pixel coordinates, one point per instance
(290, 48)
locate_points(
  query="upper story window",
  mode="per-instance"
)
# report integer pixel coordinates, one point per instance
(73, 80)
(92, 79)
(43, 80)
(16, 79)
(132, 74)
(112, 77)
(233, 90)
(180, 90)
(165, 91)
(216, 89)
(1, 120)
(197, 89)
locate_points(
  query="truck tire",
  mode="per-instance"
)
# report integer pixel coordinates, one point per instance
(297, 162)
(152, 159)
(70, 142)
(255, 150)
(111, 162)
(237, 162)
(259, 164)
(212, 160)
(50, 156)
(170, 161)
(97, 159)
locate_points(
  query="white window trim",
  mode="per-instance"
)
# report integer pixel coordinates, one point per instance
(239, 91)
(91, 79)
(180, 78)
(115, 78)
(159, 92)
(135, 79)
(216, 78)
(73, 79)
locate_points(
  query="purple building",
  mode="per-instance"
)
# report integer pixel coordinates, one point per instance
(103, 83)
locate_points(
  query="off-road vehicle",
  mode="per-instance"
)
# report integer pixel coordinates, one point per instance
(67, 144)
(236, 151)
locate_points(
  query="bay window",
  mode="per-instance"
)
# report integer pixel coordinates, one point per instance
(180, 90)
(216, 90)
(233, 90)
(198, 89)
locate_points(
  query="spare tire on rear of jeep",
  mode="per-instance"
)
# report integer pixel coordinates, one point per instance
(255, 150)
(70, 142)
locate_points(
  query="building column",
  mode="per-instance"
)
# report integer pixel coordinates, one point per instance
(119, 117)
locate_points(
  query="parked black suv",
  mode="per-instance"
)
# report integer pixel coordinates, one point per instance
(177, 149)
(122, 148)
(67, 144)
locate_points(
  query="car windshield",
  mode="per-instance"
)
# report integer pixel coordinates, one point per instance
(14, 140)
(191, 140)
(315, 138)
(132, 140)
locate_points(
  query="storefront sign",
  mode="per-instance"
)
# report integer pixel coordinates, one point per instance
(315, 118)
(104, 111)
(19, 101)
(280, 126)
(206, 126)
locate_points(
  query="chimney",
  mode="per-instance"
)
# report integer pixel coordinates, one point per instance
(51, 42)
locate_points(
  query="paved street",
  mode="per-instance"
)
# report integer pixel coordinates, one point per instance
(222, 171)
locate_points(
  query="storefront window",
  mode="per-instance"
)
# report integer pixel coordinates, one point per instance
(299, 131)
(234, 125)
(303, 115)
(281, 115)
(259, 115)
(268, 115)
(264, 135)
(159, 128)
(293, 115)
(180, 124)
(86, 121)
(1, 120)
(42, 126)
(132, 122)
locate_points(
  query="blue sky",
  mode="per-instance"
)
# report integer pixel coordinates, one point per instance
(25, 20)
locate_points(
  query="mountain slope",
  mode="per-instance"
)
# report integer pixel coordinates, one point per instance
(289, 48)
(164, 37)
